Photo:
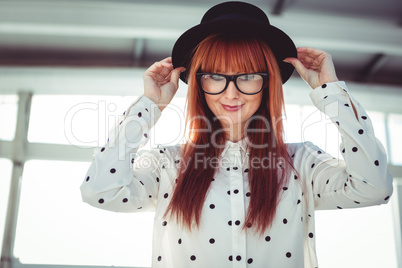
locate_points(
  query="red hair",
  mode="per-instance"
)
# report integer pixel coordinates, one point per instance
(220, 53)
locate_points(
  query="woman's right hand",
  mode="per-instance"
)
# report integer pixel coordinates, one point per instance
(161, 82)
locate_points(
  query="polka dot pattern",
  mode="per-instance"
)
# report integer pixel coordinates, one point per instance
(230, 187)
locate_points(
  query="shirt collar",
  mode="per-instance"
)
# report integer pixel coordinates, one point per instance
(241, 145)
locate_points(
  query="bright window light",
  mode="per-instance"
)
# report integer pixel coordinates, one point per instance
(395, 132)
(56, 227)
(362, 237)
(292, 123)
(5, 179)
(76, 120)
(8, 116)
(86, 120)
(378, 119)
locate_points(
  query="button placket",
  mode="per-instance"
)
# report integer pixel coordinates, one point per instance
(237, 208)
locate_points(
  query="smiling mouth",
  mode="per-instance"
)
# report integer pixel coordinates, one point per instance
(230, 108)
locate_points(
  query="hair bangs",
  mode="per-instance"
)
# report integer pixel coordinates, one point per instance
(227, 54)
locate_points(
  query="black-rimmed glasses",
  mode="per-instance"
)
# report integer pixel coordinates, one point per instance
(249, 84)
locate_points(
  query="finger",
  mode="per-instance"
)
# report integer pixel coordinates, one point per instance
(312, 54)
(156, 77)
(312, 62)
(299, 66)
(165, 72)
(306, 57)
(159, 68)
(168, 60)
(310, 50)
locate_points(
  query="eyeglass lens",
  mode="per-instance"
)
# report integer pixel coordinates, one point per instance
(247, 83)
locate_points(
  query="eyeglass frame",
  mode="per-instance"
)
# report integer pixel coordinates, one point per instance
(232, 78)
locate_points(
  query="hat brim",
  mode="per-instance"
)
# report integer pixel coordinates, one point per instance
(279, 42)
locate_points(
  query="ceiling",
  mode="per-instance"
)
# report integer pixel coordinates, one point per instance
(364, 37)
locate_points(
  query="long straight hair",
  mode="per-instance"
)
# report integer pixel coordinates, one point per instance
(220, 53)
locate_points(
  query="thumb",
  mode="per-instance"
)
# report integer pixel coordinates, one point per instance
(301, 69)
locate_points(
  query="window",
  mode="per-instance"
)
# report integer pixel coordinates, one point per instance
(395, 131)
(5, 179)
(361, 237)
(8, 116)
(76, 120)
(56, 227)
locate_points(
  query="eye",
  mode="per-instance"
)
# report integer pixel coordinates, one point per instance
(214, 77)
(248, 77)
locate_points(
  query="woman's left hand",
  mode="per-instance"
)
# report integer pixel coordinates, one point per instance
(314, 66)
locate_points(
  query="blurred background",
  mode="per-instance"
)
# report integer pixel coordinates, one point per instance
(68, 70)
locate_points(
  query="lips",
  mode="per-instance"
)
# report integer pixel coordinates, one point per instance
(231, 108)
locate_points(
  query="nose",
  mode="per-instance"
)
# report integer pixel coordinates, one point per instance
(231, 91)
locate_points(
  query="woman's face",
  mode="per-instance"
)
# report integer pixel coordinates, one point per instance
(232, 107)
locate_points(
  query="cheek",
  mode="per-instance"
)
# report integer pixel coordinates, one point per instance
(255, 102)
(212, 102)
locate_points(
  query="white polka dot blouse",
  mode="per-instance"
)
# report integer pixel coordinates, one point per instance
(123, 180)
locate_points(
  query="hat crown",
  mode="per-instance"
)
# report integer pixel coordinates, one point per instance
(235, 11)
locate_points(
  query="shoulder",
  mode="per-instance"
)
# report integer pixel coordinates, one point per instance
(306, 154)
(302, 148)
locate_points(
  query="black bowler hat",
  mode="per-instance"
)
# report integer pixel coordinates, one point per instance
(237, 19)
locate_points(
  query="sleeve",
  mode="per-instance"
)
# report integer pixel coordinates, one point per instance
(111, 183)
(362, 178)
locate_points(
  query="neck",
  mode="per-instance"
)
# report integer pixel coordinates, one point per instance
(234, 133)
